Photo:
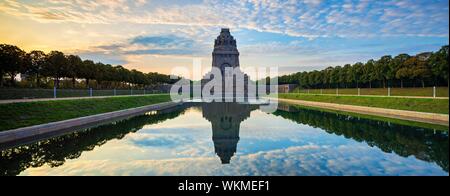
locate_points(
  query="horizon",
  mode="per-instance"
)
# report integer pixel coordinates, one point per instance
(154, 36)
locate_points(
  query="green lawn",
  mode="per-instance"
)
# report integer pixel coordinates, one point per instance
(379, 118)
(17, 115)
(425, 92)
(413, 104)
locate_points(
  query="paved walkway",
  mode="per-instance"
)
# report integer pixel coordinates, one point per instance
(441, 119)
(407, 97)
(66, 98)
(99, 97)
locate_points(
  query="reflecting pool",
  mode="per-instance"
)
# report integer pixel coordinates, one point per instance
(236, 139)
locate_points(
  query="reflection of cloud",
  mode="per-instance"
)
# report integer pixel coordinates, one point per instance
(178, 139)
(299, 160)
(147, 140)
(184, 146)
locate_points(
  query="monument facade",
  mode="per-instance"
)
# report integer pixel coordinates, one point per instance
(225, 58)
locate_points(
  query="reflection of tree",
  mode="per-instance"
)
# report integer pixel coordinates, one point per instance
(56, 150)
(424, 144)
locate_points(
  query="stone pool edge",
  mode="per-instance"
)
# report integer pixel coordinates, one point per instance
(432, 118)
(24, 133)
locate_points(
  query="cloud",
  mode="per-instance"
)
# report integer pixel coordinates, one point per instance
(166, 41)
(152, 40)
(127, 30)
(153, 45)
(140, 2)
(308, 18)
(312, 2)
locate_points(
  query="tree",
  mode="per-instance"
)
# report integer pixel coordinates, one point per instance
(397, 65)
(346, 75)
(356, 73)
(327, 76)
(87, 71)
(334, 77)
(439, 65)
(137, 77)
(122, 74)
(74, 68)
(421, 71)
(391, 70)
(424, 68)
(381, 69)
(56, 66)
(368, 72)
(37, 60)
(37, 64)
(11, 62)
(100, 72)
(314, 78)
(109, 74)
(406, 70)
(303, 79)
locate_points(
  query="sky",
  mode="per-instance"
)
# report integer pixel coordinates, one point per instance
(295, 35)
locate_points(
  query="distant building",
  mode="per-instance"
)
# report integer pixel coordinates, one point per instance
(424, 56)
(286, 88)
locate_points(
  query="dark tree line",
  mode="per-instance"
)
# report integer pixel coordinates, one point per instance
(37, 66)
(424, 69)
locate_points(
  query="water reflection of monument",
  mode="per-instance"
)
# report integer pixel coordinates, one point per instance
(226, 119)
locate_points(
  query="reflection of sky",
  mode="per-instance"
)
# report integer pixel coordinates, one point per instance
(268, 145)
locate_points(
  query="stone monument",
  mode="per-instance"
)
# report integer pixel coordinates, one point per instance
(225, 57)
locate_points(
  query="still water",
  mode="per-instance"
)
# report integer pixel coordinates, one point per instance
(235, 139)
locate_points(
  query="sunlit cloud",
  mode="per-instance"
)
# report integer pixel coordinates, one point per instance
(309, 18)
(125, 29)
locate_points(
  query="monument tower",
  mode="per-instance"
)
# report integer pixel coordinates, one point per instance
(225, 52)
(225, 57)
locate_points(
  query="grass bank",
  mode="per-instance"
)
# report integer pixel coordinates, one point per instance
(422, 92)
(378, 118)
(439, 106)
(16, 115)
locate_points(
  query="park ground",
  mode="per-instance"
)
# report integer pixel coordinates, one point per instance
(429, 105)
(17, 115)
